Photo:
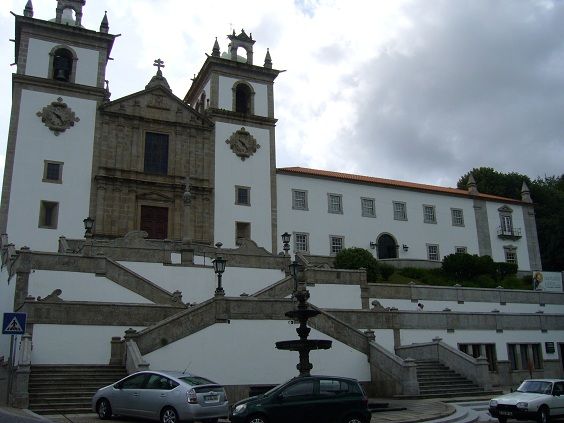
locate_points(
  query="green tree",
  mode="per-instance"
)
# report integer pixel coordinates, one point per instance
(548, 197)
(355, 258)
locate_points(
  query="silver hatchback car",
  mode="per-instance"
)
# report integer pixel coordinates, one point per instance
(169, 397)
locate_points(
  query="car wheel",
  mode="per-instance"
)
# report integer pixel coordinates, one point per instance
(502, 419)
(353, 419)
(104, 409)
(256, 419)
(169, 415)
(543, 415)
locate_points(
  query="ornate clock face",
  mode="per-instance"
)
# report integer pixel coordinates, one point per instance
(57, 116)
(243, 144)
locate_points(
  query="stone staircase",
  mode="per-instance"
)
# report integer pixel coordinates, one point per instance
(68, 389)
(438, 381)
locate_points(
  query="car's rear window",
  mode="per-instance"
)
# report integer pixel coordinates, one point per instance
(196, 380)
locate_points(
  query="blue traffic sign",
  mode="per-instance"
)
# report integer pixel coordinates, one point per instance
(14, 323)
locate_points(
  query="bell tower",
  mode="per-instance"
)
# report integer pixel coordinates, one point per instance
(238, 96)
(58, 85)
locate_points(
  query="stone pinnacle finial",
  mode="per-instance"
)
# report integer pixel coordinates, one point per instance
(104, 26)
(472, 186)
(526, 193)
(158, 79)
(28, 11)
(268, 60)
(215, 51)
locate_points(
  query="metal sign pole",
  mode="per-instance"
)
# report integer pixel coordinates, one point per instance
(10, 370)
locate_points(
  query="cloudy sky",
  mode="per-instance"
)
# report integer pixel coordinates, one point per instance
(415, 90)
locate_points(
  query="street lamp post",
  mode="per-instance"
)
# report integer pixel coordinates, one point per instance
(219, 268)
(286, 242)
(88, 225)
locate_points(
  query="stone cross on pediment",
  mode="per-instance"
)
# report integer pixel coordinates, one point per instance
(159, 64)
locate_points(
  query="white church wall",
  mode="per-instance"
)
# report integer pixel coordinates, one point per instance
(35, 144)
(384, 338)
(74, 344)
(77, 286)
(336, 296)
(359, 231)
(7, 292)
(198, 284)
(226, 95)
(231, 354)
(38, 61)
(254, 172)
(409, 336)
(469, 306)
(494, 221)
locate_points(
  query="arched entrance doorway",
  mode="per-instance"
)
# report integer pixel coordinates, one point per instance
(387, 247)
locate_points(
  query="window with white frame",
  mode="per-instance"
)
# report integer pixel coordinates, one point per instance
(242, 196)
(299, 199)
(429, 215)
(337, 243)
(301, 242)
(457, 217)
(335, 203)
(461, 250)
(400, 211)
(368, 207)
(510, 254)
(433, 252)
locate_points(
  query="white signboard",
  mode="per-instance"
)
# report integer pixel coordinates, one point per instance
(547, 281)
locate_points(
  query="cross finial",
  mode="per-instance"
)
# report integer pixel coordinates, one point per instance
(159, 64)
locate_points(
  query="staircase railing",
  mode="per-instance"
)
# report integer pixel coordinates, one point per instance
(474, 369)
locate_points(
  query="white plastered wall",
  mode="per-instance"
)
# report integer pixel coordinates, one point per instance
(36, 143)
(409, 336)
(359, 231)
(74, 344)
(253, 172)
(231, 354)
(198, 284)
(38, 62)
(336, 296)
(77, 286)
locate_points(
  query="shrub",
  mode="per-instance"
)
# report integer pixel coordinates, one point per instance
(386, 271)
(355, 258)
(412, 272)
(460, 266)
(506, 269)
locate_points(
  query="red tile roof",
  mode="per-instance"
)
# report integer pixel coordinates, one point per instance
(389, 183)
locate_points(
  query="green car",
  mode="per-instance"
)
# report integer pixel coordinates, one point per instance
(311, 399)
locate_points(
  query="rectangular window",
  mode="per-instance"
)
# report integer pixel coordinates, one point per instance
(337, 243)
(506, 224)
(242, 196)
(48, 214)
(478, 350)
(156, 153)
(510, 254)
(301, 242)
(457, 217)
(523, 356)
(460, 250)
(242, 231)
(429, 215)
(299, 199)
(53, 172)
(335, 203)
(368, 207)
(400, 212)
(433, 252)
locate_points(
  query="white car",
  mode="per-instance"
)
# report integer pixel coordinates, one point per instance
(535, 399)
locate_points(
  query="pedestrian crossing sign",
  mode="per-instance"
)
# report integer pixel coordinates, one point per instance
(14, 323)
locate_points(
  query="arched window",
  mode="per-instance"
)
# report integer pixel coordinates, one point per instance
(387, 247)
(62, 65)
(243, 99)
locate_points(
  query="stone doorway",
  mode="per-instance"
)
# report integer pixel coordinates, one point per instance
(387, 247)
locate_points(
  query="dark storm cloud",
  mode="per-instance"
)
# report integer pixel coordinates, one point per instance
(471, 83)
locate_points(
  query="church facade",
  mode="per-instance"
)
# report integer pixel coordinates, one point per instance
(171, 183)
